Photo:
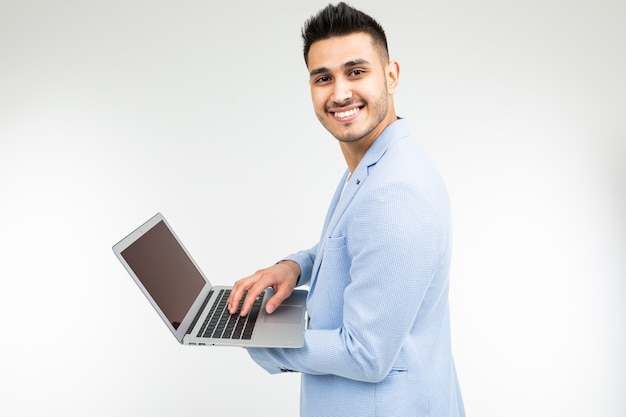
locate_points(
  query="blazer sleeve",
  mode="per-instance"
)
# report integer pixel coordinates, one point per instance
(396, 243)
(305, 259)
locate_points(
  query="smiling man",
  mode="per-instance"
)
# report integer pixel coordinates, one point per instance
(352, 85)
(378, 340)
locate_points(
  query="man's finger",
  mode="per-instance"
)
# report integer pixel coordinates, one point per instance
(253, 293)
(276, 300)
(236, 294)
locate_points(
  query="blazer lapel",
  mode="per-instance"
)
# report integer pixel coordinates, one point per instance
(341, 201)
(333, 204)
(345, 193)
(322, 242)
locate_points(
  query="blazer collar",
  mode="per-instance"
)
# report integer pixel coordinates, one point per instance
(343, 196)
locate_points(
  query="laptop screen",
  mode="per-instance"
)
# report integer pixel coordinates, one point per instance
(166, 272)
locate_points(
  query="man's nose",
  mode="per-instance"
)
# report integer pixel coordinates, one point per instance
(342, 91)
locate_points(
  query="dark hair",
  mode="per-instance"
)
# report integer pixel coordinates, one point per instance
(341, 20)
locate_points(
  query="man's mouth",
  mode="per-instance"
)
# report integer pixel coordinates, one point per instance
(340, 115)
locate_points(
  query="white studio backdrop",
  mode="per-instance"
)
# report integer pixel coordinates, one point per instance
(112, 111)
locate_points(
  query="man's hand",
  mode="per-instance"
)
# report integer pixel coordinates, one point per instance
(282, 277)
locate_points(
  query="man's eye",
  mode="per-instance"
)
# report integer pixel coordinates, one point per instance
(322, 80)
(357, 72)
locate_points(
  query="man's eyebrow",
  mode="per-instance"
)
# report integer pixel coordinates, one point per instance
(317, 71)
(355, 63)
(346, 65)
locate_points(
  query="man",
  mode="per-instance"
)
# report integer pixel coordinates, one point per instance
(378, 341)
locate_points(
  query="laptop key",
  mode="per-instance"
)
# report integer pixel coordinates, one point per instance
(219, 323)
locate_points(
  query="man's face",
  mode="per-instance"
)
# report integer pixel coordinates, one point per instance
(351, 87)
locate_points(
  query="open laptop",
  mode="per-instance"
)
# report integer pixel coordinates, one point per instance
(189, 304)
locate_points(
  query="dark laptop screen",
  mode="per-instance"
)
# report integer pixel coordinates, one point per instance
(166, 272)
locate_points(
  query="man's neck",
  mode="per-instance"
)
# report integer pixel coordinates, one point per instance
(353, 152)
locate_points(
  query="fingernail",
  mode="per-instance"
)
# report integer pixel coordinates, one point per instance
(270, 308)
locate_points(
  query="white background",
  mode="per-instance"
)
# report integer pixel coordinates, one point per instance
(113, 110)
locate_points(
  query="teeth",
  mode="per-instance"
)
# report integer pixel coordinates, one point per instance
(343, 114)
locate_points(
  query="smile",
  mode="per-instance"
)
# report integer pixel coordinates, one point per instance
(348, 113)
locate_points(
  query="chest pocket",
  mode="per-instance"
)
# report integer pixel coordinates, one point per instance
(326, 302)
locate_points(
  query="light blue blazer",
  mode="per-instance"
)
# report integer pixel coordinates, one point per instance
(378, 341)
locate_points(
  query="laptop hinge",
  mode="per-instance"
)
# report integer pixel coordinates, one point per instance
(199, 313)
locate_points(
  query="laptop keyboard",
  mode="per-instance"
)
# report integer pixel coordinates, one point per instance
(220, 324)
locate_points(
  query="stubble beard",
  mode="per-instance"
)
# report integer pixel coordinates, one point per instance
(380, 108)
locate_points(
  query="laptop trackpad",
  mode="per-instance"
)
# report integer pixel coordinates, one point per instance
(285, 314)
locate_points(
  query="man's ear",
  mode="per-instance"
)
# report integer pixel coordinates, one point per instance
(393, 76)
